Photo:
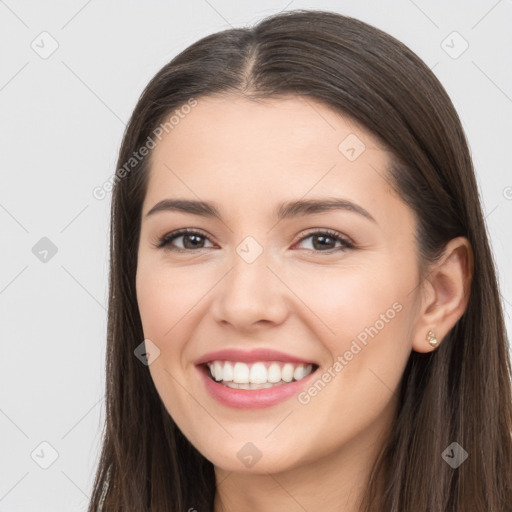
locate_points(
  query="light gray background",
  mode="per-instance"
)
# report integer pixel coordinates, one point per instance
(62, 119)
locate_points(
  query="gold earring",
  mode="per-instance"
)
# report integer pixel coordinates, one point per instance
(431, 338)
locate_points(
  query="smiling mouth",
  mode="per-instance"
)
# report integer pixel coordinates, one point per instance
(257, 375)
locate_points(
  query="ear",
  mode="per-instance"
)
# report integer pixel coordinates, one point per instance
(445, 293)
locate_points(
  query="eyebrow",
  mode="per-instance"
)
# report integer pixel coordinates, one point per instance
(285, 210)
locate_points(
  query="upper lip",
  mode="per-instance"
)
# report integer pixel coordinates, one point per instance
(250, 356)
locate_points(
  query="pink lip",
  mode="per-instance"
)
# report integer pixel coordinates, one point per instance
(251, 398)
(251, 356)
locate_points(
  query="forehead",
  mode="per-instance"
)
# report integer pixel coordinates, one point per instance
(232, 147)
(300, 124)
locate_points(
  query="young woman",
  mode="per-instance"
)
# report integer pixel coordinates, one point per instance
(304, 312)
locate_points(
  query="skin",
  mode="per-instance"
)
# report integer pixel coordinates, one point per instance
(247, 157)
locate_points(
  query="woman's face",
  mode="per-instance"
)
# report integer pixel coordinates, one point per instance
(263, 294)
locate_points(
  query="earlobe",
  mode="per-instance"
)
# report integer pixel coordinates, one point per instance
(446, 293)
(432, 338)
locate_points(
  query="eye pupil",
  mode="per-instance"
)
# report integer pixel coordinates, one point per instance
(322, 238)
(197, 243)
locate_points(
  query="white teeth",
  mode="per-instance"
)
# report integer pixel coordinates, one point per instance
(287, 372)
(217, 370)
(240, 373)
(257, 375)
(274, 373)
(227, 373)
(299, 372)
(250, 385)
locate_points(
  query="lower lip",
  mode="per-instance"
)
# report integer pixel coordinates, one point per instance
(251, 398)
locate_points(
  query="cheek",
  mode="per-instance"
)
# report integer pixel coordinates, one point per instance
(167, 297)
(153, 303)
(347, 300)
(363, 317)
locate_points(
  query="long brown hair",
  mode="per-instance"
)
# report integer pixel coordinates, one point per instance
(458, 393)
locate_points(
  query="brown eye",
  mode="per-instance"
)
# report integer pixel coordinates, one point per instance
(191, 240)
(324, 241)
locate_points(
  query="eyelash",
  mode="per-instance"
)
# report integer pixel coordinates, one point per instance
(165, 241)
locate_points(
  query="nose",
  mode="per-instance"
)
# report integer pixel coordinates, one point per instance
(251, 295)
